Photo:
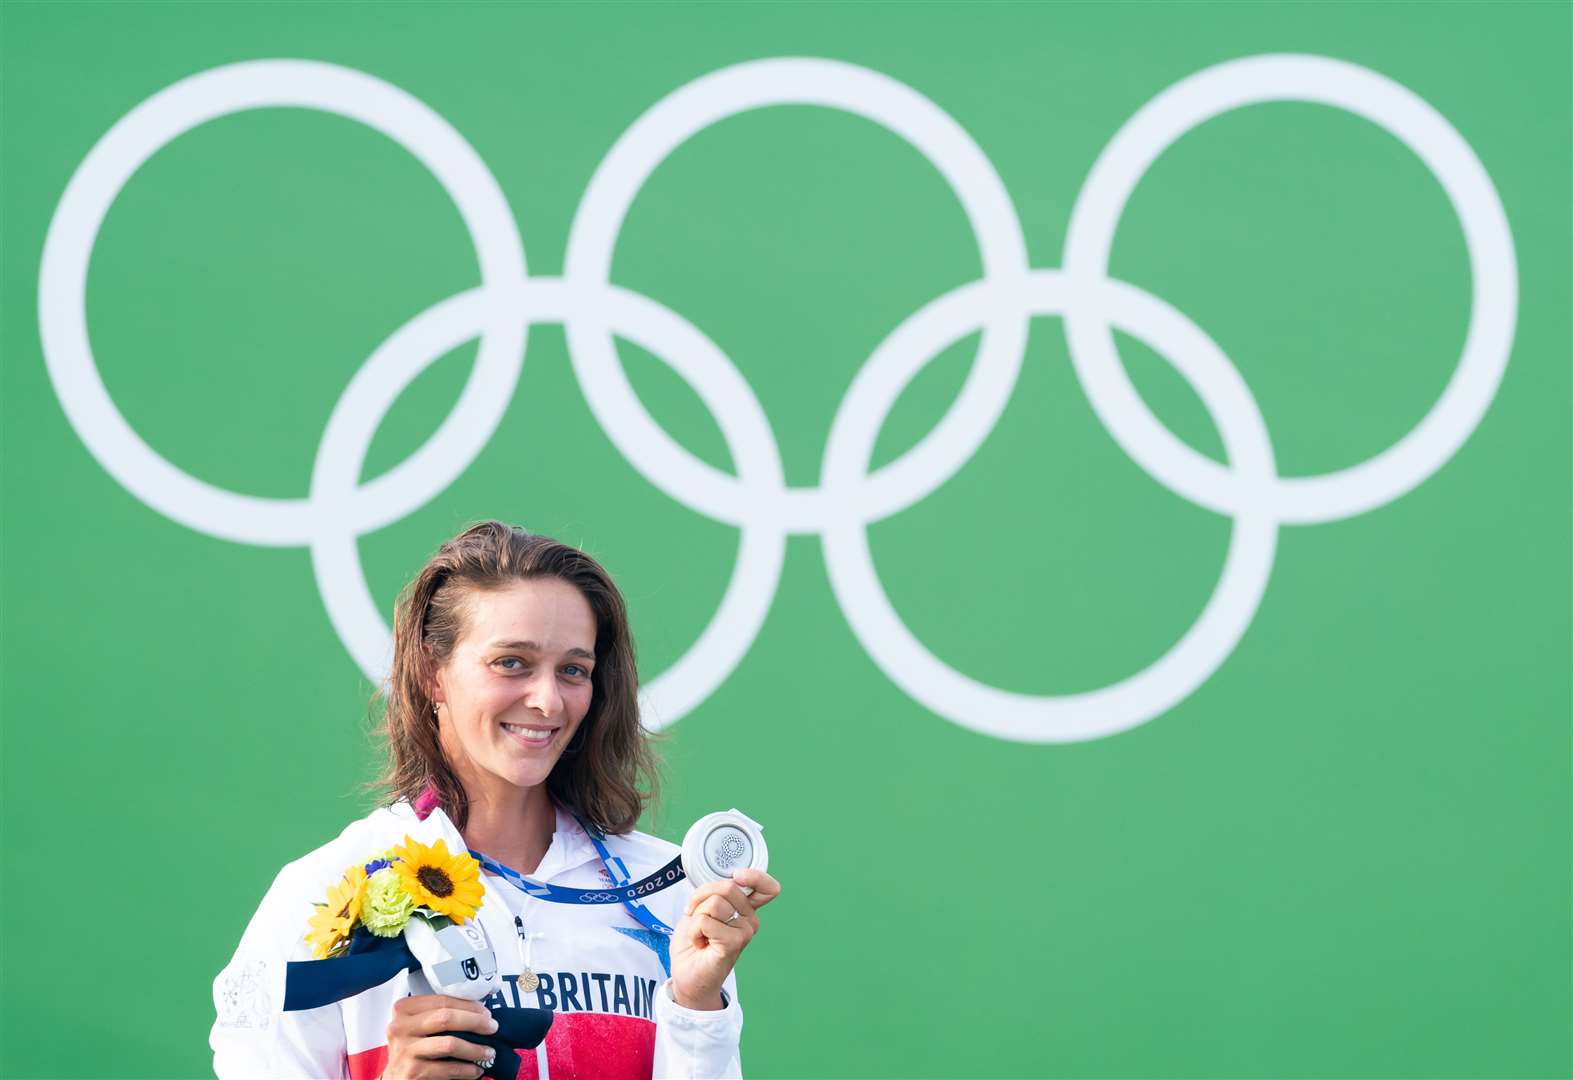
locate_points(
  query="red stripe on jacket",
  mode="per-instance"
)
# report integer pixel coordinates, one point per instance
(579, 1046)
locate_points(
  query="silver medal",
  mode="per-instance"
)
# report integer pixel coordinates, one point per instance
(721, 843)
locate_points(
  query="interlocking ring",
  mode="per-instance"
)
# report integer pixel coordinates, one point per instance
(340, 507)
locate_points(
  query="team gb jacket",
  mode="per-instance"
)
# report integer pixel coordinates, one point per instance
(604, 976)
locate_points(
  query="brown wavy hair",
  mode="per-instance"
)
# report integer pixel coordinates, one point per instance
(608, 771)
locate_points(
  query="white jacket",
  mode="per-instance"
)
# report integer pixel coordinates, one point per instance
(601, 972)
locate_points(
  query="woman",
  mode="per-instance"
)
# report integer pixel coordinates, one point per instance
(513, 731)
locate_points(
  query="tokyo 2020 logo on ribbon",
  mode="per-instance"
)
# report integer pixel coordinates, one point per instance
(340, 507)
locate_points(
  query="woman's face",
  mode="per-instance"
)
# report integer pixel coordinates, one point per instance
(518, 683)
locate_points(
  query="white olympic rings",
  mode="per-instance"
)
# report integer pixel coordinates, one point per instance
(341, 507)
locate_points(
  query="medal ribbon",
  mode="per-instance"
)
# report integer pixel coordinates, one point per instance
(627, 893)
(619, 871)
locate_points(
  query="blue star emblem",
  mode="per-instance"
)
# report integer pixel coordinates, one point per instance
(658, 943)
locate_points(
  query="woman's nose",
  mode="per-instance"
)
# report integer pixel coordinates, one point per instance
(544, 696)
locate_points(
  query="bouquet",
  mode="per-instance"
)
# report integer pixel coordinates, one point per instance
(412, 908)
(382, 894)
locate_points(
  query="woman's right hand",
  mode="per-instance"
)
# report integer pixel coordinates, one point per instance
(417, 1050)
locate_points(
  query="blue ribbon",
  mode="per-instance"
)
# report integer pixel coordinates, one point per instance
(627, 893)
(371, 961)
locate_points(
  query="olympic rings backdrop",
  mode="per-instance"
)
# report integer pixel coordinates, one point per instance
(1094, 481)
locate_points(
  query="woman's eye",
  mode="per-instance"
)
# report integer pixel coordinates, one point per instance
(511, 663)
(581, 672)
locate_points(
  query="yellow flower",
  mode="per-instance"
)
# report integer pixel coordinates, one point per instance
(447, 884)
(332, 922)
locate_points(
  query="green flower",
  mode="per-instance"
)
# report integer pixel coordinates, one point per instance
(387, 907)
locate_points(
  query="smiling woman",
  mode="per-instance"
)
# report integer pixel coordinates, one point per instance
(501, 643)
(513, 733)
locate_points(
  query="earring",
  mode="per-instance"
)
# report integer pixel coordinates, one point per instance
(434, 709)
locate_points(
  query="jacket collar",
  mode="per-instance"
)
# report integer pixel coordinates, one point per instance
(570, 849)
(571, 846)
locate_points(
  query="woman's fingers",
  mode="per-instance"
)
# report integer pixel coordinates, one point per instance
(733, 892)
(445, 1047)
(427, 1063)
(423, 1014)
(436, 1021)
(730, 936)
(766, 888)
(438, 1047)
(722, 900)
(446, 1070)
(725, 901)
(417, 1047)
(435, 1070)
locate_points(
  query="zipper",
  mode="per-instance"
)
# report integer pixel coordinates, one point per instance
(524, 942)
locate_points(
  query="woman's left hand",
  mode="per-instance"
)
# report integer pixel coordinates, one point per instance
(716, 927)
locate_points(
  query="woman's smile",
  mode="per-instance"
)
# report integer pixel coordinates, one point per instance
(530, 735)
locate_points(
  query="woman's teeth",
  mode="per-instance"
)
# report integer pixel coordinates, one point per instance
(529, 734)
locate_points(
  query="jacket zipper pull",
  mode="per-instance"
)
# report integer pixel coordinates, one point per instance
(528, 980)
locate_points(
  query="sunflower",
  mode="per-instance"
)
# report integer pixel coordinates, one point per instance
(447, 884)
(331, 922)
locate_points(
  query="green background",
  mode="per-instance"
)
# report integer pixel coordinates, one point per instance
(1346, 854)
